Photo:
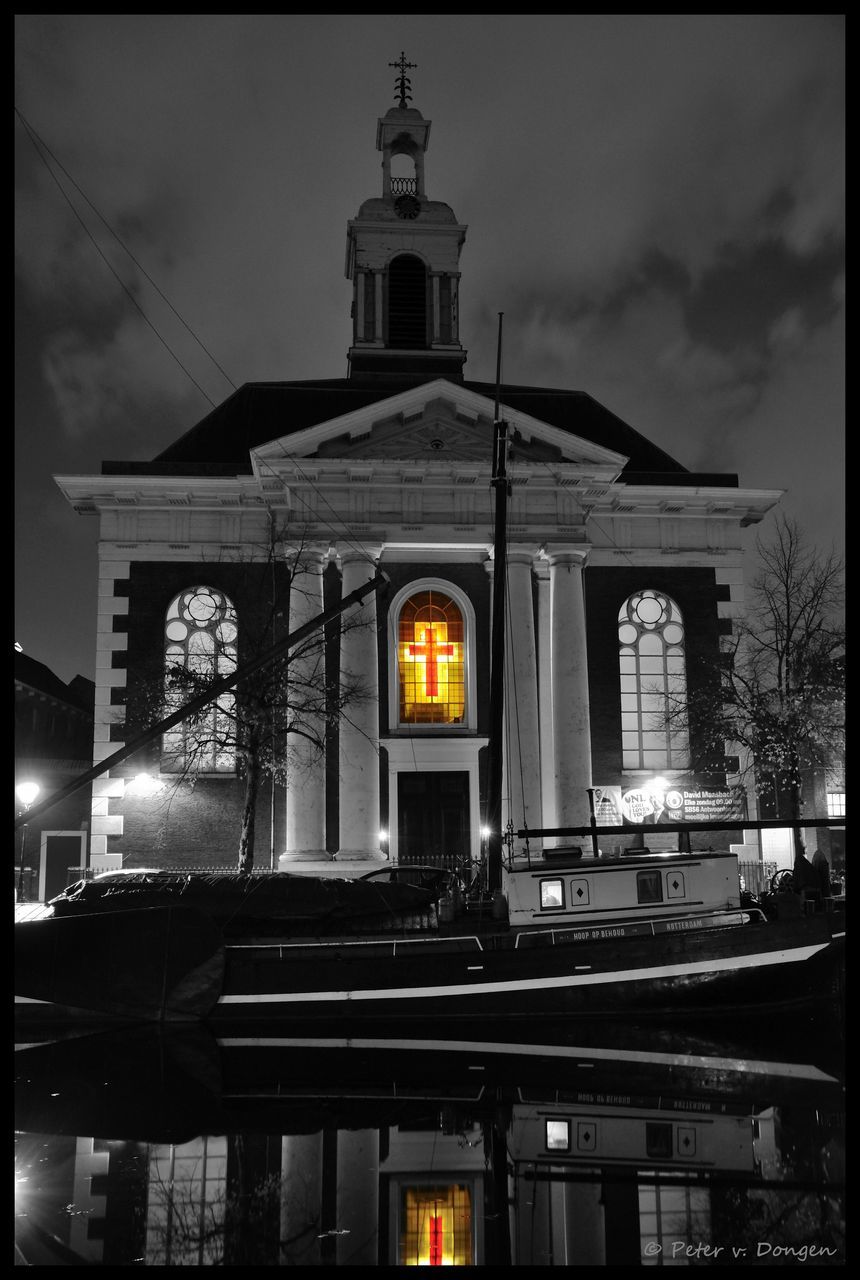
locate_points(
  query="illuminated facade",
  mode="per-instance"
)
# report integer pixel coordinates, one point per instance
(624, 568)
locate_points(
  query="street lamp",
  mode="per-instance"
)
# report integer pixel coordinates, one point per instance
(143, 784)
(26, 793)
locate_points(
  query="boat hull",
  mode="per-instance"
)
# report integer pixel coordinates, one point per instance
(172, 963)
(536, 974)
(161, 963)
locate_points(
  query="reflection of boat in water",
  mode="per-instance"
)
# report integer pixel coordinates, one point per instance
(191, 1080)
(379, 1150)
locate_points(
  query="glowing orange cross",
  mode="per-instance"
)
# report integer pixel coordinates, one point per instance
(435, 1241)
(430, 650)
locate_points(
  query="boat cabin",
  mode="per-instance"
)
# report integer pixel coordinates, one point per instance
(672, 887)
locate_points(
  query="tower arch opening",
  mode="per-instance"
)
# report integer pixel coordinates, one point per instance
(407, 302)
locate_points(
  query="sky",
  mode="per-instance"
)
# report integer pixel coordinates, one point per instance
(655, 203)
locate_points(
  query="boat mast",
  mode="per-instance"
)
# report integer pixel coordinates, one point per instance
(497, 665)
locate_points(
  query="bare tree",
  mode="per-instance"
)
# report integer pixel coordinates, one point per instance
(778, 694)
(277, 720)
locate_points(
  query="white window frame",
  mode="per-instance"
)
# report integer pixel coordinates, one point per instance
(836, 804)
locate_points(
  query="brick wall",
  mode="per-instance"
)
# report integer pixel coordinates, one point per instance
(185, 824)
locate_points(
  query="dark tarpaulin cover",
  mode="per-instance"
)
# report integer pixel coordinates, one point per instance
(230, 897)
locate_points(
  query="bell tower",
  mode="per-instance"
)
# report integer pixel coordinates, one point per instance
(403, 258)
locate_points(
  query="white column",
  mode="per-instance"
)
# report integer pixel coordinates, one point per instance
(301, 1199)
(522, 737)
(377, 314)
(306, 771)
(359, 722)
(571, 719)
(544, 674)
(435, 284)
(360, 286)
(357, 1197)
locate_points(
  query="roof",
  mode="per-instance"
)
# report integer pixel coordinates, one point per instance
(35, 675)
(258, 412)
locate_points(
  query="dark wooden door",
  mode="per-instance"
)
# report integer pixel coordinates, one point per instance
(62, 851)
(432, 817)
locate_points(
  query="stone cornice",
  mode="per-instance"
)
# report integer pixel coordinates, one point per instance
(384, 499)
(677, 501)
(97, 492)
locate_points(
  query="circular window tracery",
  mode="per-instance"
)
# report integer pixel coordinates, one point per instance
(201, 633)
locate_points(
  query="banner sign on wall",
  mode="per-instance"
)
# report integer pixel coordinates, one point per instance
(701, 804)
(607, 806)
(642, 805)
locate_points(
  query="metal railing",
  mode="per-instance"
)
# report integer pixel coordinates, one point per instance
(756, 876)
(73, 874)
(403, 186)
(27, 884)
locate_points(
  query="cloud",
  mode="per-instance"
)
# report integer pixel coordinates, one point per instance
(105, 387)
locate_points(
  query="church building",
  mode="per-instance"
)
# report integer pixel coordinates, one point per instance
(623, 569)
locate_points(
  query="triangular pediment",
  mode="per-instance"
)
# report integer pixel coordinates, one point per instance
(436, 432)
(438, 421)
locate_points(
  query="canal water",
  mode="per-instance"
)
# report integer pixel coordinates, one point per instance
(533, 1145)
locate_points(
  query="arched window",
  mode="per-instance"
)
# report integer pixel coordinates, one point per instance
(200, 637)
(653, 683)
(431, 660)
(407, 302)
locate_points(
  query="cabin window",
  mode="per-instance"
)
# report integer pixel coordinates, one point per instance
(579, 895)
(658, 1140)
(653, 683)
(551, 894)
(649, 886)
(558, 1135)
(200, 646)
(430, 660)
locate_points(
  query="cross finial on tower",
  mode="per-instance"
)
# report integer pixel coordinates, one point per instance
(403, 84)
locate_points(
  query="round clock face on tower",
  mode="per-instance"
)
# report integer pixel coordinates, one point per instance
(407, 207)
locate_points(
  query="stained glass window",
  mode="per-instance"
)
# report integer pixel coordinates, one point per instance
(653, 683)
(200, 636)
(430, 656)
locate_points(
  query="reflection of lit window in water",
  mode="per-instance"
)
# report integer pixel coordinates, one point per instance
(436, 1226)
(671, 1215)
(186, 1203)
